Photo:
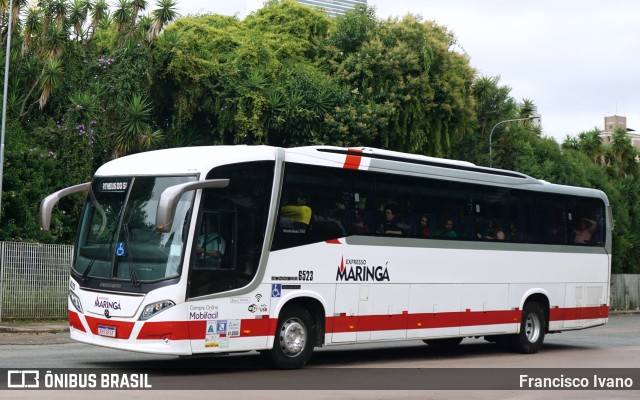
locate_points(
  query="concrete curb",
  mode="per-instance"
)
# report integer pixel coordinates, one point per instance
(623, 312)
(34, 328)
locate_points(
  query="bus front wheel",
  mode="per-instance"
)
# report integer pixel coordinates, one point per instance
(532, 330)
(295, 337)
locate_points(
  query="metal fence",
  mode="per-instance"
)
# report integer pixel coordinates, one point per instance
(34, 280)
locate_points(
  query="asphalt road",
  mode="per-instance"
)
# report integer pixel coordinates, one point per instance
(357, 371)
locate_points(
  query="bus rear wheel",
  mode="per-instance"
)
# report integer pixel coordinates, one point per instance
(294, 341)
(532, 330)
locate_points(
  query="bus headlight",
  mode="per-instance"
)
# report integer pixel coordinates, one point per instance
(75, 300)
(155, 308)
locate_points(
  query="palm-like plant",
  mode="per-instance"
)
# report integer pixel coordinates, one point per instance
(165, 13)
(276, 107)
(55, 40)
(50, 80)
(526, 110)
(134, 131)
(493, 103)
(18, 6)
(85, 103)
(144, 24)
(570, 143)
(591, 145)
(122, 15)
(32, 27)
(15, 93)
(58, 10)
(136, 7)
(4, 6)
(623, 153)
(99, 11)
(77, 15)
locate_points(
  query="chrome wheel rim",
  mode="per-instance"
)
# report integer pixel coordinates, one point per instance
(532, 327)
(293, 337)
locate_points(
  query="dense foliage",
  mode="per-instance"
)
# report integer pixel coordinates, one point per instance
(91, 81)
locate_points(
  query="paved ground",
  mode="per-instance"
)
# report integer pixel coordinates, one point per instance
(583, 352)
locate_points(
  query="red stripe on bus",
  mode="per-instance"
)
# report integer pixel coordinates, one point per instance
(74, 321)
(196, 330)
(352, 161)
(345, 323)
(173, 330)
(333, 241)
(570, 314)
(123, 329)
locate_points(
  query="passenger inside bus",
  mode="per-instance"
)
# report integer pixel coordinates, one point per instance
(584, 230)
(447, 231)
(423, 229)
(494, 231)
(359, 225)
(514, 235)
(390, 225)
(211, 246)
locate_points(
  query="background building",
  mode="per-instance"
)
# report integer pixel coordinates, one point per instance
(617, 121)
(333, 7)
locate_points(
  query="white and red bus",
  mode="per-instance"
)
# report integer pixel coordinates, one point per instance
(232, 248)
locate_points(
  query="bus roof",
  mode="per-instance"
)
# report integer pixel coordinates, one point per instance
(200, 160)
(184, 160)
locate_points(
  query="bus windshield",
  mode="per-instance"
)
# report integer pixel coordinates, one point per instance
(117, 238)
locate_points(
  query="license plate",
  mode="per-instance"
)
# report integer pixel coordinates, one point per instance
(109, 331)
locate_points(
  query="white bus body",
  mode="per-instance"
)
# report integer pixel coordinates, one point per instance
(295, 269)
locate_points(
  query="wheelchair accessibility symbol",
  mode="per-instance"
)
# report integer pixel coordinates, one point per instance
(120, 249)
(276, 290)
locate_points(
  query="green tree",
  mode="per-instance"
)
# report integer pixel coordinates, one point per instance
(134, 132)
(162, 15)
(405, 73)
(99, 12)
(591, 145)
(492, 103)
(122, 16)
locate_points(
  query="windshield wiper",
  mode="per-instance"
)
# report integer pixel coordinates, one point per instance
(98, 254)
(134, 278)
(133, 274)
(132, 268)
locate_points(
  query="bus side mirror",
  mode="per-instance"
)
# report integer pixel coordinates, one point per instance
(171, 195)
(46, 205)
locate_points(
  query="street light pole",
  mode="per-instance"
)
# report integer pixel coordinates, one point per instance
(500, 123)
(4, 99)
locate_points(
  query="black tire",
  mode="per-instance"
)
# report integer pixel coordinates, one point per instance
(445, 343)
(532, 330)
(295, 339)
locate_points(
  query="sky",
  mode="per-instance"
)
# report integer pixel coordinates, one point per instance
(578, 60)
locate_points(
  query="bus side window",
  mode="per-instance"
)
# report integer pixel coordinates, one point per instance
(240, 211)
(586, 220)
